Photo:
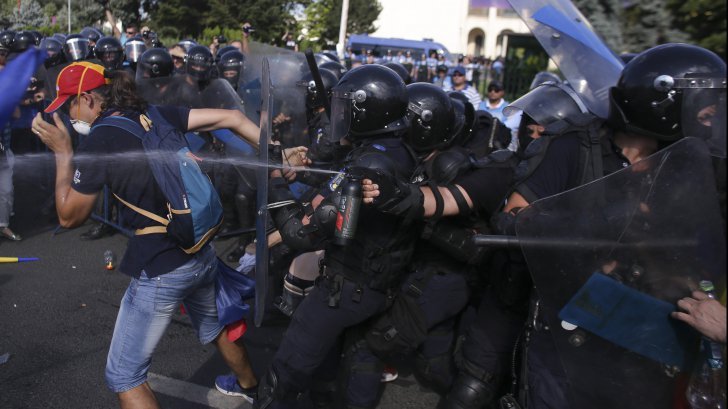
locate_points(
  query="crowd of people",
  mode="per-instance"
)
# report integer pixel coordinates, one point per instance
(438, 163)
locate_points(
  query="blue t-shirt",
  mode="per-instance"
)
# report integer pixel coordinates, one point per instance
(114, 157)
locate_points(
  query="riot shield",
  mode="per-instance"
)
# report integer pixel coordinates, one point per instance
(179, 90)
(288, 109)
(262, 258)
(640, 239)
(569, 39)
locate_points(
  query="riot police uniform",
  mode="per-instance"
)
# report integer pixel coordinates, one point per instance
(369, 105)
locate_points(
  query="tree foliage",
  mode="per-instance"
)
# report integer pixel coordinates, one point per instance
(323, 19)
(704, 21)
(28, 14)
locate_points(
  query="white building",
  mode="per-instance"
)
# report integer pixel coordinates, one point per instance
(474, 27)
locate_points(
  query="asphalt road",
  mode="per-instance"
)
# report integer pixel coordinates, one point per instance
(57, 316)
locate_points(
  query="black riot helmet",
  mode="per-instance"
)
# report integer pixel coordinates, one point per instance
(336, 68)
(60, 37)
(331, 56)
(92, 34)
(433, 123)
(313, 98)
(230, 66)
(400, 70)
(109, 51)
(6, 39)
(155, 63)
(369, 100)
(661, 86)
(552, 105)
(465, 113)
(223, 50)
(23, 40)
(187, 44)
(54, 49)
(76, 48)
(198, 62)
(37, 36)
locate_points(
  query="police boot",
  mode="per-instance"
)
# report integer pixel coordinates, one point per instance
(324, 394)
(469, 392)
(272, 395)
(98, 231)
(294, 291)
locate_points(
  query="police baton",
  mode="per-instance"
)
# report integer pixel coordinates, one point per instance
(318, 81)
(496, 241)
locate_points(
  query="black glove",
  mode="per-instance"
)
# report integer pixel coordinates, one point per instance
(396, 197)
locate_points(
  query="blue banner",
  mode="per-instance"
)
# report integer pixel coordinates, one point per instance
(14, 80)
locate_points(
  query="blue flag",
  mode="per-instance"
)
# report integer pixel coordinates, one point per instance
(14, 80)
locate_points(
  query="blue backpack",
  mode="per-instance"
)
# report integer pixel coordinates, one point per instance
(195, 211)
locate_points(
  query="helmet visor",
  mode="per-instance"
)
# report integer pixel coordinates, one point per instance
(341, 104)
(76, 49)
(548, 103)
(134, 50)
(704, 117)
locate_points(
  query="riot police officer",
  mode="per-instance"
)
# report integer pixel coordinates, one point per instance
(76, 48)
(356, 277)
(109, 51)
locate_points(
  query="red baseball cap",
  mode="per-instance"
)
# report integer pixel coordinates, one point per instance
(76, 78)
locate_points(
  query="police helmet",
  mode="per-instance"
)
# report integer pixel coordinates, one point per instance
(331, 56)
(76, 48)
(543, 76)
(230, 66)
(155, 63)
(465, 112)
(187, 44)
(6, 39)
(23, 40)
(336, 68)
(54, 49)
(661, 86)
(400, 70)
(368, 100)
(134, 48)
(433, 123)
(37, 36)
(313, 98)
(60, 37)
(92, 34)
(109, 51)
(198, 62)
(551, 105)
(223, 50)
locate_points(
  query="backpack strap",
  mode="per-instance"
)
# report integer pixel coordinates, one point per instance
(138, 131)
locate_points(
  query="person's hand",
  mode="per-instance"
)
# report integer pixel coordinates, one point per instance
(369, 191)
(246, 28)
(704, 314)
(54, 136)
(295, 157)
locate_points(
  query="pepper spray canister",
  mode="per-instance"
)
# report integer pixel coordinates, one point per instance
(347, 213)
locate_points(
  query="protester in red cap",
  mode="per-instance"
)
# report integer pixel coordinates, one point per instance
(163, 275)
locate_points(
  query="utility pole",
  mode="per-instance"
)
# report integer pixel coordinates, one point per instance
(342, 29)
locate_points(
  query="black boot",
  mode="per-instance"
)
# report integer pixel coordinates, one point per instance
(98, 231)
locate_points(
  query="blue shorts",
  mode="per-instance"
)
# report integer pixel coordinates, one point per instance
(147, 309)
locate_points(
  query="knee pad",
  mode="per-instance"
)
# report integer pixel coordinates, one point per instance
(363, 374)
(294, 291)
(469, 392)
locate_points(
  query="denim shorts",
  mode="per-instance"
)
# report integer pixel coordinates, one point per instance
(147, 309)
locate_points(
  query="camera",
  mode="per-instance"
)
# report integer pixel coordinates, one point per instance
(149, 34)
(222, 39)
(248, 29)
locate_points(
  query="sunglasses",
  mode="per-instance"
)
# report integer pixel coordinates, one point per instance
(131, 33)
(494, 90)
(457, 74)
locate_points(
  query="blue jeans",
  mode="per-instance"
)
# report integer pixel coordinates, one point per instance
(146, 311)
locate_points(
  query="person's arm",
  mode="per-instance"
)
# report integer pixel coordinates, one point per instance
(73, 208)
(370, 191)
(704, 314)
(110, 18)
(246, 38)
(236, 121)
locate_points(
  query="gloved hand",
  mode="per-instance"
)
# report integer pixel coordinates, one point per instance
(389, 194)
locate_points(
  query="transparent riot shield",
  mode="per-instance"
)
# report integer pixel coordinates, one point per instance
(625, 249)
(288, 109)
(569, 39)
(262, 257)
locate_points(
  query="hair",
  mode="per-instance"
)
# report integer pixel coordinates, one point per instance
(121, 93)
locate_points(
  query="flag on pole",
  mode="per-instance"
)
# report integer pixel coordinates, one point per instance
(14, 80)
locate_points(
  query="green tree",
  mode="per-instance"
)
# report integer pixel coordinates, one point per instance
(704, 21)
(648, 23)
(29, 14)
(602, 14)
(323, 19)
